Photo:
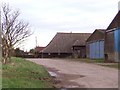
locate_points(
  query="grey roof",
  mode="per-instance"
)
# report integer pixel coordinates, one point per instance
(63, 42)
(101, 30)
(115, 22)
(77, 43)
(97, 34)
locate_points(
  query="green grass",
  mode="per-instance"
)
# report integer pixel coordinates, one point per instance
(24, 74)
(99, 62)
(89, 60)
(112, 65)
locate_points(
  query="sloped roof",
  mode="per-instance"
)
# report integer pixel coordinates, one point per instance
(39, 49)
(63, 42)
(101, 30)
(96, 35)
(77, 43)
(115, 22)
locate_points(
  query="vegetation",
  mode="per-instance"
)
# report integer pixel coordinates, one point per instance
(89, 60)
(25, 74)
(99, 62)
(112, 65)
(14, 31)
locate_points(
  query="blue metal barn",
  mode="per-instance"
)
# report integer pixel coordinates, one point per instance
(117, 43)
(97, 50)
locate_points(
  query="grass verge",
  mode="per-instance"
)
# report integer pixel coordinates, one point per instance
(111, 65)
(102, 63)
(21, 73)
(99, 62)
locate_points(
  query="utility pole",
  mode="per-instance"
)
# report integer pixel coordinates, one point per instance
(36, 40)
(0, 53)
(0, 38)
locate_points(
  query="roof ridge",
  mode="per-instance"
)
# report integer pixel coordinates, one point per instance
(71, 33)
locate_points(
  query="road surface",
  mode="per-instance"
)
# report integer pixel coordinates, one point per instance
(74, 74)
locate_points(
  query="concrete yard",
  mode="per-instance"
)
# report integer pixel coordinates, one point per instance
(74, 74)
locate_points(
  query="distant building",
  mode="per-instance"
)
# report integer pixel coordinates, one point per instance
(38, 51)
(112, 40)
(67, 45)
(95, 44)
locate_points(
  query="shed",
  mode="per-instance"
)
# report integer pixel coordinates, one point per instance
(38, 50)
(95, 44)
(112, 40)
(66, 45)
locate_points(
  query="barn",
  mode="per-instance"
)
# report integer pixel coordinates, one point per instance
(66, 45)
(37, 51)
(112, 40)
(95, 44)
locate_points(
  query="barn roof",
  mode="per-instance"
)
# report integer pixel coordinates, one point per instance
(115, 22)
(96, 35)
(63, 42)
(39, 49)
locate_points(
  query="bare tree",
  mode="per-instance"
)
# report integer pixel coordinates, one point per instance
(14, 30)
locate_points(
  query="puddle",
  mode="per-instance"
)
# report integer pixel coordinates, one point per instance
(61, 80)
(52, 74)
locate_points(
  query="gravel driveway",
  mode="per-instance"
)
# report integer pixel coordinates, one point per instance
(74, 74)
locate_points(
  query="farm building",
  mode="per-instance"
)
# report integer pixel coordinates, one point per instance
(67, 45)
(112, 40)
(37, 51)
(95, 44)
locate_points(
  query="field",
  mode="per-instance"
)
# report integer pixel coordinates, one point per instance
(24, 74)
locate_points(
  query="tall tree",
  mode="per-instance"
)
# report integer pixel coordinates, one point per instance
(15, 31)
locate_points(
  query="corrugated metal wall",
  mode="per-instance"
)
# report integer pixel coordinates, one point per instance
(117, 44)
(97, 50)
(117, 40)
(91, 49)
(101, 49)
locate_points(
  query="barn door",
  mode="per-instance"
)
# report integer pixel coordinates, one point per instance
(117, 44)
(101, 55)
(97, 50)
(92, 50)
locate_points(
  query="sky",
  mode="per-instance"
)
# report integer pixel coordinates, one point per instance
(47, 17)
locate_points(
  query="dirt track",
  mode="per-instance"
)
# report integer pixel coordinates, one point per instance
(73, 74)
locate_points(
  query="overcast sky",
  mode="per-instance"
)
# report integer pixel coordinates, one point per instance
(47, 17)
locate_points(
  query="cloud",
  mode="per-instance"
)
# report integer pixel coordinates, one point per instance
(50, 16)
